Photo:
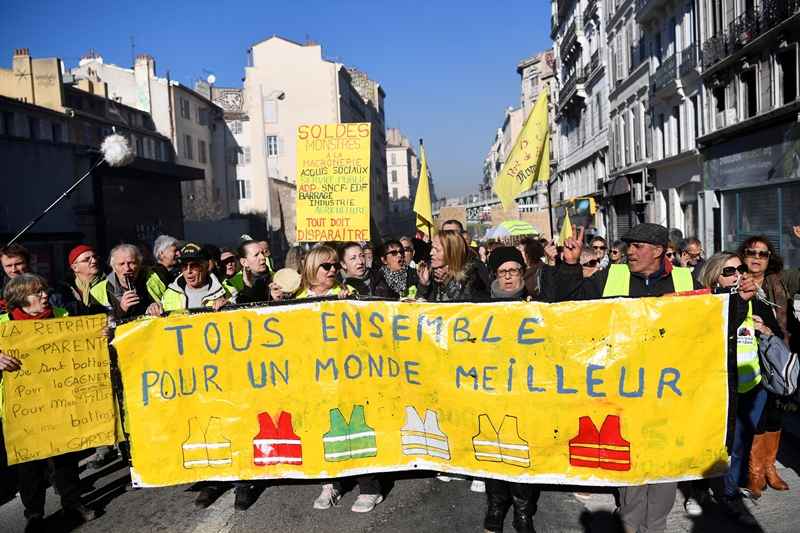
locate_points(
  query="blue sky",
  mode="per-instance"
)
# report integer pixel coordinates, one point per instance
(448, 68)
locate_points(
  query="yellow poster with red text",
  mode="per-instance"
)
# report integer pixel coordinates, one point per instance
(333, 182)
(585, 393)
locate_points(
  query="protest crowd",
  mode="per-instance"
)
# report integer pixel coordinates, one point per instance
(446, 267)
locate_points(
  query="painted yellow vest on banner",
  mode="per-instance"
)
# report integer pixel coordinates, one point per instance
(581, 393)
(60, 400)
(333, 182)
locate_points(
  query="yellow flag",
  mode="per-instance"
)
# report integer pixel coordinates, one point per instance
(566, 229)
(422, 201)
(525, 163)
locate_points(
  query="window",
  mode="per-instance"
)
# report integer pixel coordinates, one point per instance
(599, 109)
(186, 109)
(245, 156)
(662, 136)
(57, 132)
(787, 76)
(139, 147)
(270, 111)
(7, 123)
(637, 132)
(394, 193)
(33, 127)
(394, 158)
(235, 126)
(244, 188)
(272, 145)
(750, 100)
(188, 149)
(394, 175)
(201, 151)
(676, 137)
(202, 116)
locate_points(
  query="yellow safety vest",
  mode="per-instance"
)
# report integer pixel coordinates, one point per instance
(504, 446)
(155, 287)
(748, 367)
(618, 282)
(335, 291)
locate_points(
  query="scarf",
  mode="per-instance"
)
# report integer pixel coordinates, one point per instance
(499, 293)
(396, 280)
(83, 288)
(19, 314)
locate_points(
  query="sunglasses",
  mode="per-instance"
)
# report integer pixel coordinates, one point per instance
(228, 261)
(328, 266)
(590, 264)
(599, 247)
(731, 271)
(761, 254)
(393, 252)
(614, 252)
(670, 254)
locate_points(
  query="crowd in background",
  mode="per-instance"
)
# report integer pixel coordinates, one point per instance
(449, 266)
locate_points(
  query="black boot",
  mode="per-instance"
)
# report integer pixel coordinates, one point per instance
(245, 496)
(498, 500)
(524, 497)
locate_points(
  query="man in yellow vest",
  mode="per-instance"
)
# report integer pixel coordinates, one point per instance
(647, 273)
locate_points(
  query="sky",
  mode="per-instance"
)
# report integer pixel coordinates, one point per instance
(448, 67)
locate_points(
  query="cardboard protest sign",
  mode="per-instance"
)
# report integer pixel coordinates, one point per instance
(60, 400)
(581, 393)
(333, 179)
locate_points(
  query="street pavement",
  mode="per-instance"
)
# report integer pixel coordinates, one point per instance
(415, 503)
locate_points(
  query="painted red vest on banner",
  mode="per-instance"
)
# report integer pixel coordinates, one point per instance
(605, 449)
(274, 445)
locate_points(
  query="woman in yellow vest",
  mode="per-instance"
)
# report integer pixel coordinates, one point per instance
(27, 299)
(320, 275)
(724, 272)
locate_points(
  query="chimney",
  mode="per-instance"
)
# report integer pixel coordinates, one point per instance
(146, 63)
(22, 52)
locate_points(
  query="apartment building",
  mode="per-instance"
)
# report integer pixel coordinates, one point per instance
(51, 127)
(630, 148)
(582, 109)
(751, 141)
(288, 84)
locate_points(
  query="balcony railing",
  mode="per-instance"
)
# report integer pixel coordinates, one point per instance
(570, 86)
(666, 72)
(688, 60)
(594, 62)
(746, 27)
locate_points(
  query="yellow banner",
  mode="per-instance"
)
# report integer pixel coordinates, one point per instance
(60, 400)
(587, 393)
(333, 180)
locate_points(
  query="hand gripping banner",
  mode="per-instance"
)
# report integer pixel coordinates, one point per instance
(585, 393)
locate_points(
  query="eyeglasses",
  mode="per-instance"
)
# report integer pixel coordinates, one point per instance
(590, 264)
(731, 271)
(89, 259)
(509, 273)
(695, 255)
(599, 247)
(761, 254)
(191, 265)
(328, 266)
(228, 261)
(614, 252)
(393, 252)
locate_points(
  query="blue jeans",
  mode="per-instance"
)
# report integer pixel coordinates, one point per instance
(749, 407)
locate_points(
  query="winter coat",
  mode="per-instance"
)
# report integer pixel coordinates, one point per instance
(175, 298)
(470, 287)
(381, 287)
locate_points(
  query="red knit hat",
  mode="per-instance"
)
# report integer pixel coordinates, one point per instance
(77, 251)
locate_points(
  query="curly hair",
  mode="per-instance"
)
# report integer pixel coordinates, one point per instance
(775, 261)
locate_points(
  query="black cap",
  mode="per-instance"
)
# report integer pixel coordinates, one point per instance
(503, 254)
(192, 252)
(648, 233)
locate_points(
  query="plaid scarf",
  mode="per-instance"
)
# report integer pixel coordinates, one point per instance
(396, 280)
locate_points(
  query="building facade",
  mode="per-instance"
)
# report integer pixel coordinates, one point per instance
(751, 142)
(51, 127)
(188, 118)
(402, 175)
(582, 109)
(288, 84)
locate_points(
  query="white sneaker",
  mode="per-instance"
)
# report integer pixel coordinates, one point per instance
(366, 503)
(477, 486)
(329, 497)
(693, 507)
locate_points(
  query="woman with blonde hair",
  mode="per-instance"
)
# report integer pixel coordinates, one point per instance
(319, 275)
(450, 275)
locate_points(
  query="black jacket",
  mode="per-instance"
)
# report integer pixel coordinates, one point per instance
(68, 296)
(471, 288)
(381, 287)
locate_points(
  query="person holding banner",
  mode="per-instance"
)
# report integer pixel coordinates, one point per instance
(27, 299)
(648, 273)
(508, 267)
(450, 275)
(196, 287)
(723, 273)
(129, 290)
(354, 268)
(253, 278)
(74, 294)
